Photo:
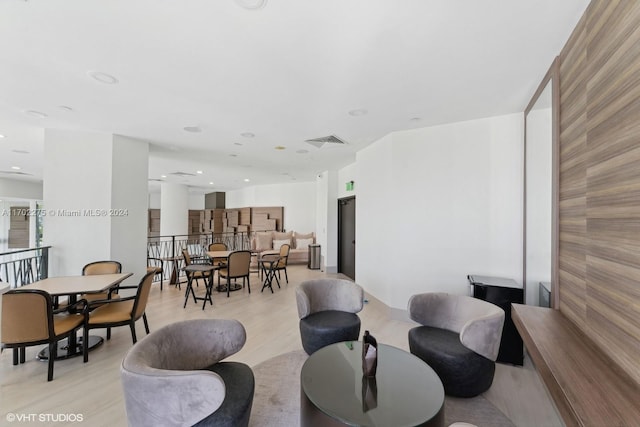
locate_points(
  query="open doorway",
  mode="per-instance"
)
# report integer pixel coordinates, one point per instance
(347, 237)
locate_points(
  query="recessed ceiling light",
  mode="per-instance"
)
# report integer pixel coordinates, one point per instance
(251, 4)
(237, 143)
(17, 168)
(103, 77)
(199, 172)
(247, 180)
(1, 136)
(211, 183)
(65, 108)
(279, 147)
(37, 114)
(163, 176)
(415, 119)
(20, 151)
(247, 135)
(358, 112)
(193, 129)
(302, 151)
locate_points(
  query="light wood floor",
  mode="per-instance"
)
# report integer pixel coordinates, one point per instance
(93, 390)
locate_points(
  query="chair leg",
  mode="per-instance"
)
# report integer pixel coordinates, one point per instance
(248, 283)
(15, 355)
(85, 344)
(228, 286)
(108, 334)
(285, 274)
(146, 324)
(53, 352)
(23, 351)
(133, 332)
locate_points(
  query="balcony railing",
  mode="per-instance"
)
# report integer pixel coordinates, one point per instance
(19, 268)
(169, 248)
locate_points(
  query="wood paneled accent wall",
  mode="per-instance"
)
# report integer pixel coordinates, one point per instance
(599, 247)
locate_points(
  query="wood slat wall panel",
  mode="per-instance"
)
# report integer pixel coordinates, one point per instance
(599, 257)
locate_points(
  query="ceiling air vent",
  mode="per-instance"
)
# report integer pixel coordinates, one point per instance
(155, 180)
(319, 142)
(182, 174)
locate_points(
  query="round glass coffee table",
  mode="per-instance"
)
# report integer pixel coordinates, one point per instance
(405, 391)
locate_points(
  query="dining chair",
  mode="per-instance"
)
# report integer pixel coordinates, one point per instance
(281, 265)
(101, 267)
(218, 246)
(28, 319)
(157, 266)
(122, 311)
(197, 275)
(237, 267)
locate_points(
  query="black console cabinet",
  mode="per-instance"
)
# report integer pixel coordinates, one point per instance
(502, 292)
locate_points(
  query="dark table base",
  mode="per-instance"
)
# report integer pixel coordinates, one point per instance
(234, 287)
(63, 347)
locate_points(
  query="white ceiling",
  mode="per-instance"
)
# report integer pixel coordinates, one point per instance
(288, 72)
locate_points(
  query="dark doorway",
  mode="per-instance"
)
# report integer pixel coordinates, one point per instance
(347, 237)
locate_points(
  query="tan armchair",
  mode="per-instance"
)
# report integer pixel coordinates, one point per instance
(237, 267)
(28, 319)
(101, 267)
(122, 311)
(218, 246)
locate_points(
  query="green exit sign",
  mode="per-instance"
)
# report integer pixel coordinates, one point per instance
(350, 186)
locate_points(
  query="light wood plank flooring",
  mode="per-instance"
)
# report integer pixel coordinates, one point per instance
(93, 390)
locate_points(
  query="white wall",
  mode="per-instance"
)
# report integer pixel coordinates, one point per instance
(77, 176)
(436, 204)
(299, 201)
(174, 209)
(130, 214)
(11, 188)
(346, 174)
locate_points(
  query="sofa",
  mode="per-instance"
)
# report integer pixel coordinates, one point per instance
(269, 242)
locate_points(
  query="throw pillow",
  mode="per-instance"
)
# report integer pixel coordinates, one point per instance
(263, 241)
(281, 236)
(278, 243)
(300, 236)
(303, 243)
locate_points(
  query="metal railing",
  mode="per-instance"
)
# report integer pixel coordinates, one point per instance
(19, 268)
(169, 248)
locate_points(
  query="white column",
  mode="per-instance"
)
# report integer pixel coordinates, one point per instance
(327, 219)
(95, 200)
(174, 209)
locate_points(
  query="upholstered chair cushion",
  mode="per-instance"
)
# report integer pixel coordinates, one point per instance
(327, 327)
(173, 377)
(463, 372)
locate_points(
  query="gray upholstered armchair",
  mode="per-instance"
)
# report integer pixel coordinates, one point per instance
(459, 339)
(327, 309)
(175, 377)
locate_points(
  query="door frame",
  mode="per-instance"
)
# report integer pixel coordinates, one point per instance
(343, 199)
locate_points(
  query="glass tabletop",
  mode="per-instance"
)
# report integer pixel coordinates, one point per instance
(407, 391)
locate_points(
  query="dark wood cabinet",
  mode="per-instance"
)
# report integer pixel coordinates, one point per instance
(502, 292)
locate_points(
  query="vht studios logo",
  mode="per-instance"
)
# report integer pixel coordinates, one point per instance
(45, 418)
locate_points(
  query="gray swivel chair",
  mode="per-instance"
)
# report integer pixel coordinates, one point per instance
(459, 339)
(175, 376)
(327, 309)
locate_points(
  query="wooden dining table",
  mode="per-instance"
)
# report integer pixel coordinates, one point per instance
(72, 286)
